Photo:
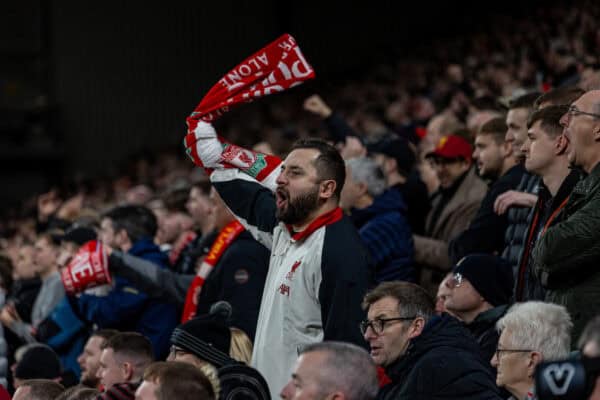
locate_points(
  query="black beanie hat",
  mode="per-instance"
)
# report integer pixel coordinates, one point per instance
(207, 337)
(39, 362)
(490, 275)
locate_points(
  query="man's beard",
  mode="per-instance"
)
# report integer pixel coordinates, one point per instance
(90, 381)
(298, 209)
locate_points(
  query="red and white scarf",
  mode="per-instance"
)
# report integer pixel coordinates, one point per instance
(277, 67)
(226, 236)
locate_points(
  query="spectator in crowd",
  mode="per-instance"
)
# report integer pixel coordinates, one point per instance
(411, 344)
(131, 229)
(480, 291)
(517, 203)
(545, 156)
(531, 332)
(332, 370)
(89, 360)
(379, 216)
(310, 239)
(453, 206)
(37, 362)
(38, 389)
(239, 275)
(26, 285)
(205, 342)
(236, 273)
(124, 358)
(396, 158)
(495, 162)
(565, 257)
(50, 294)
(200, 208)
(174, 224)
(174, 380)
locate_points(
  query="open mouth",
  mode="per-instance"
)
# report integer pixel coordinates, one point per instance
(281, 198)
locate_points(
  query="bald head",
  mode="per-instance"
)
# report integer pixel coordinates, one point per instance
(582, 128)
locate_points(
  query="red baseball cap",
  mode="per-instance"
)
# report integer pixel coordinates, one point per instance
(452, 146)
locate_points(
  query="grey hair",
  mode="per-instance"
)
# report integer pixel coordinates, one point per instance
(347, 368)
(365, 170)
(539, 326)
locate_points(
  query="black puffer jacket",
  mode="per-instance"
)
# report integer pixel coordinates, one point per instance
(518, 222)
(444, 362)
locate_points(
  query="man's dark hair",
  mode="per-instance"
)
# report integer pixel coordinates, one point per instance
(43, 389)
(329, 164)
(559, 96)
(524, 101)
(138, 221)
(591, 333)
(550, 119)
(203, 185)
(178, 380)
(105, 334)
(175, 199)
(413, 300)
(495, 127)
(130, 344)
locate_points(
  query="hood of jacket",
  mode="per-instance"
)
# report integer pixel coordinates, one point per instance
(389, 201)
(440, 331)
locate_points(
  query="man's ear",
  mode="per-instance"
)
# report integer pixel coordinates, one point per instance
(561, 144)
(416, 328)
(506, 149)
(362, 187)
(337, 395)
(127, 371)
(327, 189)
(596, 131)
(535, 358)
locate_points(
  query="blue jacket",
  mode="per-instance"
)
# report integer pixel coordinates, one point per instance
(128, 309)
(387, 234)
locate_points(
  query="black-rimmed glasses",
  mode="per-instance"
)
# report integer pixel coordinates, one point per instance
(573, 111)
(378, 324)
(500, 351)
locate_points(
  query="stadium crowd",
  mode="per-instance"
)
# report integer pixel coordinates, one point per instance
(446, 220)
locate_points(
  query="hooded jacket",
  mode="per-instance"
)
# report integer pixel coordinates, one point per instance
(444, 362)
(387, 235)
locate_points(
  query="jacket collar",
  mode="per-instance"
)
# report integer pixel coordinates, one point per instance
(324, 219)
(585, 185)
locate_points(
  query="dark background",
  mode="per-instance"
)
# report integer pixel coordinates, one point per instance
(84, 85)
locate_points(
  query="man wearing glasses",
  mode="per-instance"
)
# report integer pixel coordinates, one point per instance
(566, 256)
(426, 357)
(480, 289)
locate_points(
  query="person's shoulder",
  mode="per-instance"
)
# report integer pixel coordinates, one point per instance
(119, 391)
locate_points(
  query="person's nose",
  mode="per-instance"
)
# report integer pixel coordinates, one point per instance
(288, 391)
